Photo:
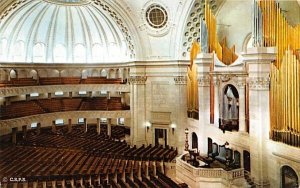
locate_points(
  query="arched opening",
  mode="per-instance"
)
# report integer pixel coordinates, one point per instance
(79, 53)
(39, 52)
(33, 74)
(19, 51)
(289, 178)
(60, 54)
(209, 146)
(12, 74)
(230, 109)
(246, 159)
(103, 73)
(194, 141)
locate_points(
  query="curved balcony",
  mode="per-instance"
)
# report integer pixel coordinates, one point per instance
(207, 176)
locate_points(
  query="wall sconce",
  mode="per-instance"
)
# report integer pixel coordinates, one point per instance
(173, 126)
(148, 125)
(186, 146)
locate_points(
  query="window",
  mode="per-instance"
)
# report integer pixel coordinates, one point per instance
(103, 92)
(156, 16)
(103, 120)
(80, 120)
(34, 94)
(59, 122)
(60, 54)
(120, 121)
(59, 93)
(33, 125)
(39, 52)
(82, 93)
(79, 53)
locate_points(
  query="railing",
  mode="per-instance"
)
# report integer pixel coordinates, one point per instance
(196, 172)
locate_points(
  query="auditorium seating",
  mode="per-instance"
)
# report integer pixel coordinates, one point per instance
(16, 109)
(77, 159)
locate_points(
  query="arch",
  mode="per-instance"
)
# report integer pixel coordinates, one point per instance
(19, 51)
(194, 140)
(97, 52)
(53, 73)
(79, 53)
(103, 73)
(112, 73)
(39, 52)
(59, 53)
(209, 146)
(3, 46)
(289, 178)
(65, 73)
(84, 74)
(247, 160)
(248, 42)
(13, 74)
(33, 74)
(230, 108)
(3, 75)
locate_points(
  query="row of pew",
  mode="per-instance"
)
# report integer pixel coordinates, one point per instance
(83, 159)
(17, 109)
(16, 82)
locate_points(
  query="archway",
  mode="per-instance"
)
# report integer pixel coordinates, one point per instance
(289, 178)
(230, 109)
(246, 159)
(194, 141)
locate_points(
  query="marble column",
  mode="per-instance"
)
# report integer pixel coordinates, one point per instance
(203, 63)
(98, 126)
(242, 106)
(109, 127)
(85, 125)
(24, 130)
(258, 61)
(69, 125)
(14, 135)
(138, 108)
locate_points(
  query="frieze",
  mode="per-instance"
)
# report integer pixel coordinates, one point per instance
(259, 83)
(180, 80)
(15, 91)
(204, 81)
(139, 80)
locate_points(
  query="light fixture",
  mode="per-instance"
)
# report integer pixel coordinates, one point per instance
(173, 126)
(226, 145)
(186, 146)
(148, 125)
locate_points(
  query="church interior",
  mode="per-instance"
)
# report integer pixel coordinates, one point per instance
(149, 93)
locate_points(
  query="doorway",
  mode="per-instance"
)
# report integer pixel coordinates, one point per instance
(194, 141)
(161, 137)
(246, 158)
(289, 178)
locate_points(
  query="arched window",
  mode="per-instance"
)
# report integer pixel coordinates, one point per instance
(60, 54)
(39, 52)
(19, 51)
(230, 109)
(114, 51)
(97, 52)
(194, 141)
(3, 45)
(289, 178)
(79, 53)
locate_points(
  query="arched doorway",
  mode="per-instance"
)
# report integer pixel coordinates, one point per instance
(289, 178)
(246, 159)
(194, 141)
(230, 109)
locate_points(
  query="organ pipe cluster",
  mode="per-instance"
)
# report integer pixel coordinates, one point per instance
(285, 72)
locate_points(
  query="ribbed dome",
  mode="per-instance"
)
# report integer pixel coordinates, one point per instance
(63, 31)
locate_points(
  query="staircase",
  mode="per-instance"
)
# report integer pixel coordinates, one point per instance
(249, 179)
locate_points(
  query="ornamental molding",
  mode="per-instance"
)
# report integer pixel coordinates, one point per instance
(15, 91)
(137, 80)
(204, 81)
(180, 80)
(259, 83)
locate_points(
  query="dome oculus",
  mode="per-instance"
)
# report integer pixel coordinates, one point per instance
(156, 16)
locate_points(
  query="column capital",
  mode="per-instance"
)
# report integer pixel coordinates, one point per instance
(180, 80)
(137, 80)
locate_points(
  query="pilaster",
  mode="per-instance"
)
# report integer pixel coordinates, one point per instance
(258, 61)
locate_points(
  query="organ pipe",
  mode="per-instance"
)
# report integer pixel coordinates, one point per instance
(285, 72)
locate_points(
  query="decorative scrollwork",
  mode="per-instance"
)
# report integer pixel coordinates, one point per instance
(259, 83)
(139, 80)
(180, 80)
(204, 81)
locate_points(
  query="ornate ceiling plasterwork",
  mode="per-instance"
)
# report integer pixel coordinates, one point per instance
(47, 31)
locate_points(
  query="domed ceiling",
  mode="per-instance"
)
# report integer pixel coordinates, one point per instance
(64, 31)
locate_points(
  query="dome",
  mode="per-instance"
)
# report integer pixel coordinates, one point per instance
(64, 31)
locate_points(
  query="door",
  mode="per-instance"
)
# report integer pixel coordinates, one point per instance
(161, 137)
(247, 165)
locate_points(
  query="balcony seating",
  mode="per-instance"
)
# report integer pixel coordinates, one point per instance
(16, 109)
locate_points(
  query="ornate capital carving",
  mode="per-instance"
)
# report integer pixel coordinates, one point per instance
(204, 81)
(259, 83)
(180, 80)
(139, 80)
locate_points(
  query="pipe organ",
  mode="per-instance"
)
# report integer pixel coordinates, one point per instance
(285, 72)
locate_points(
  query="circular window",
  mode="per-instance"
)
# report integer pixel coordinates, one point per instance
(156, 16)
